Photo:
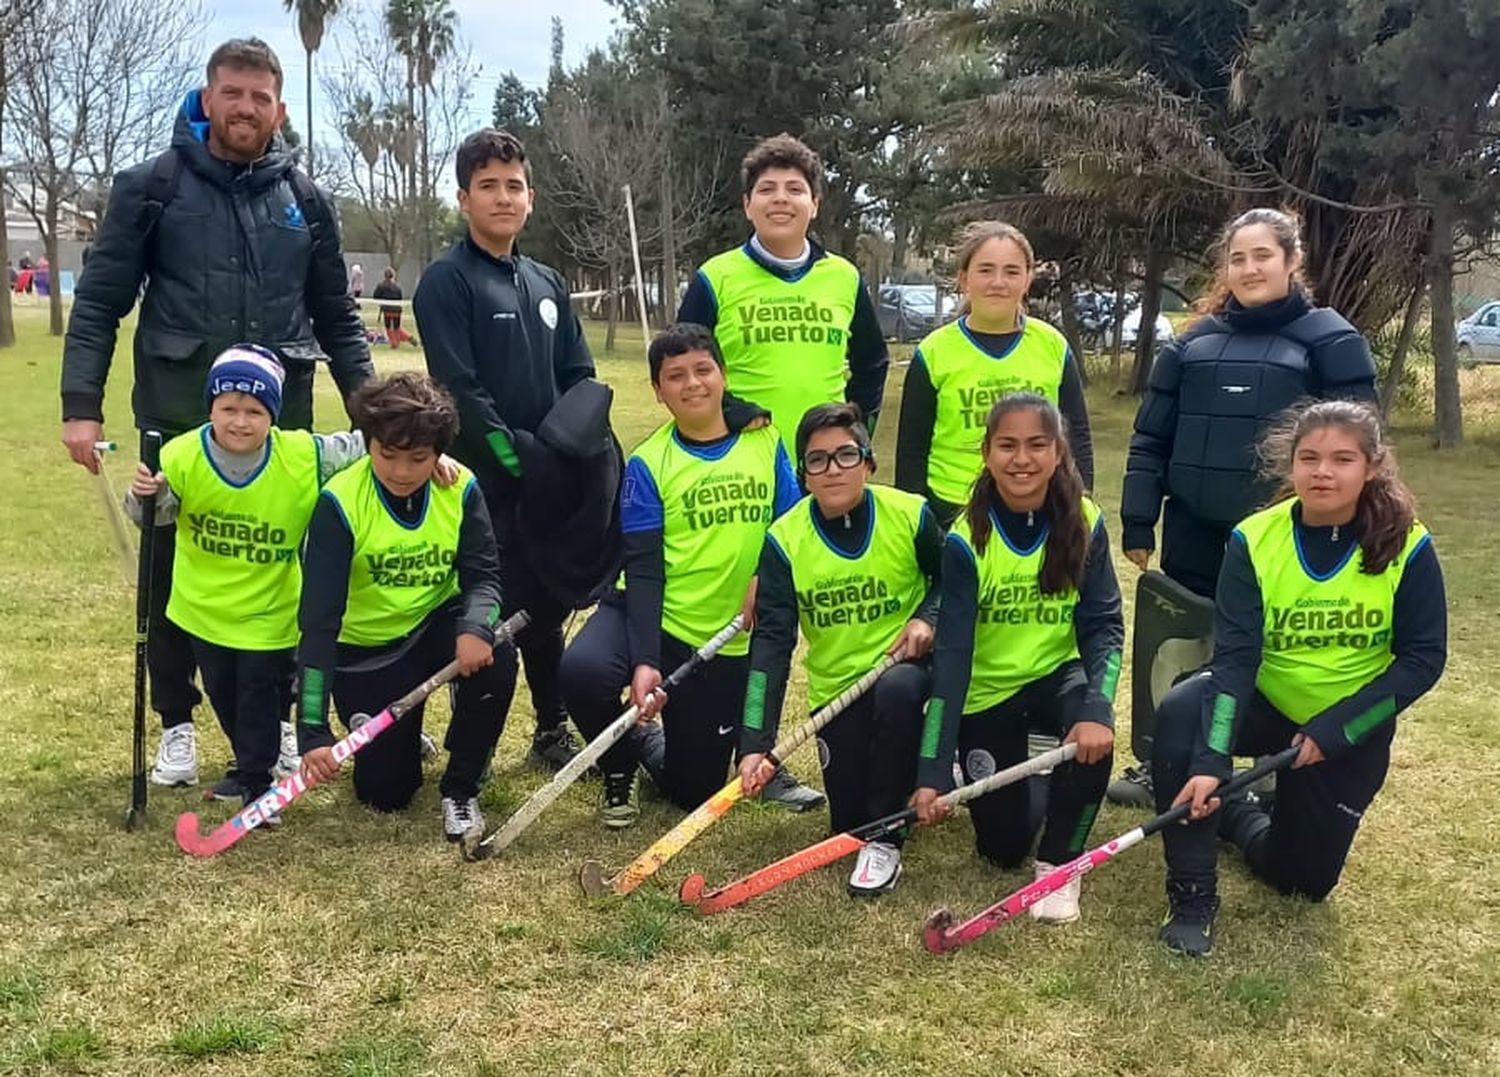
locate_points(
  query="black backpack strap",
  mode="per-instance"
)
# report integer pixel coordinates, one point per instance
(161, 188)
(314, 208)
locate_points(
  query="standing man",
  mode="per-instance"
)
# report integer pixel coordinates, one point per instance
(790, 317)
(500, 335)
(233, 245)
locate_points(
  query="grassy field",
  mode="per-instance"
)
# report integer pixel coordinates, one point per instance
(350, 944)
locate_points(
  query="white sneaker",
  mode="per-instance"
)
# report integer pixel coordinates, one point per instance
(289, 759)
(460, 817)
(876, 870)
(1060, 906)
(177, 756)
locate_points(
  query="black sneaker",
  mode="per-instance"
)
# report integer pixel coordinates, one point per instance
(791, 794)
(620, 808)
(226, 788)
(1133, 789)
(552, 748)
(1189, 927)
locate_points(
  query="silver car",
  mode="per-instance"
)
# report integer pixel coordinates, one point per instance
(1479, 335)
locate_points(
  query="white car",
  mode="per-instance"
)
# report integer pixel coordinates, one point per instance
(1131, 328)
(1479, 335)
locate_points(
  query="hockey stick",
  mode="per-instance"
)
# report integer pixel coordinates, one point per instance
(112, 511)
(839, 846)
(591, 874)
(941, 935)
(476, 849)
(151, 453)
(294, 785)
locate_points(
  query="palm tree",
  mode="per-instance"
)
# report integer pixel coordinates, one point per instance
(362, 128)
(312, 20)
(434, 42)
(401, 17)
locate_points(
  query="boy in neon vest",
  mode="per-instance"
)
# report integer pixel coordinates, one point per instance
(1330, 620)
(853, 566)
(695, 505)
(789, 316)
(403, 577)
(242, 492)
(794, 322)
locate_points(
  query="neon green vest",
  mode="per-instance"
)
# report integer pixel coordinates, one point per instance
(398, 574)
(968, 381)
(784, 342)
(1327, 638)
(714, 519)
(851, 608)
(1020, 634)
(236, 572)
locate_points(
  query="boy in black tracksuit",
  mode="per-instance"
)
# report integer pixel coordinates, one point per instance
(500, 335)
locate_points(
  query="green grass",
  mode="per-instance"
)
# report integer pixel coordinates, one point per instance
(352, 944)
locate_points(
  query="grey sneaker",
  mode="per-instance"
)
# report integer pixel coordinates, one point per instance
(226, 788)
(460, 817)
(1133, 789)
(791, 794)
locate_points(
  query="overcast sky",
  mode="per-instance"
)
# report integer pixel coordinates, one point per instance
(504, 36)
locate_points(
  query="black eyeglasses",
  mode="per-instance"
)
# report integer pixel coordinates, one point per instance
(846, 456)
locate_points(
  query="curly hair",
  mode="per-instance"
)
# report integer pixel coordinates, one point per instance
(407, 410)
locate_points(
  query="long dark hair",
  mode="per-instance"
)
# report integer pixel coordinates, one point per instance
(1386, 508)
(1068, 534)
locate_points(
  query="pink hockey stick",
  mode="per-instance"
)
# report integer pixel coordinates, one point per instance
(940, 935)
(190, 841)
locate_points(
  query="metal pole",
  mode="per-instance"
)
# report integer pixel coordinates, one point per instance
(635, 254)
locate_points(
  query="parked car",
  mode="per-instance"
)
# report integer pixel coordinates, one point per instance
(907, 312)
(1479, 335)
(1131, 329)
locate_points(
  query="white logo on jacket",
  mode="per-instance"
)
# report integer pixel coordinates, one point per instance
(548, 310)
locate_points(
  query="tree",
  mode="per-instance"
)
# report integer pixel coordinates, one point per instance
(312, 20)
(604, 126)
(15, 17)
(737, 71)
(1406, 92)
(433, 41)
(89, 86)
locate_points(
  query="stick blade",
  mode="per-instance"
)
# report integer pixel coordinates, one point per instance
(476, 846)
(935, 932)
(591, 878)
(691, 890)
(192, 842)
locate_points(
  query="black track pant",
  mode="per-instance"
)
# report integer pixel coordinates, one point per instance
(994, 739)
(252, 695)
(1300, 848)
(1192, 549)
(869, 753)
(701, 721)
(388, 771)
(169, 650)
(541, 642)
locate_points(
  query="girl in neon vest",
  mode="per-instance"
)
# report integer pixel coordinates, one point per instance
(1029, 638)
(961, 369)
(1330, 620)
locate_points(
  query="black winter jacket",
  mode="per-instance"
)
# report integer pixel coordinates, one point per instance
(231, 258)
(1211, 393)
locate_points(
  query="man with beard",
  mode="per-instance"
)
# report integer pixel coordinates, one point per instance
(233, 245)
